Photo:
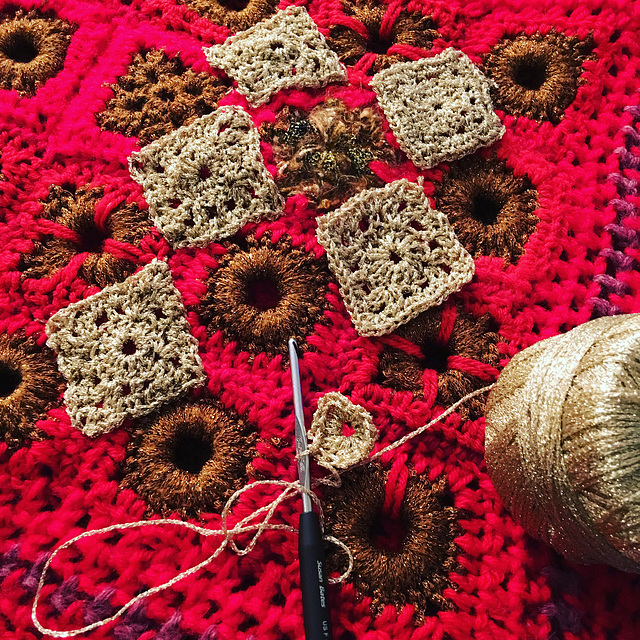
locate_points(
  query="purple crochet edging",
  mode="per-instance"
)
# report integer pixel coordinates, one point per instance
(135, 621)
(622, 236)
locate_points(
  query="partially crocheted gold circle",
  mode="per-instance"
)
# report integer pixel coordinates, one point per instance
(491, 209)
(158, 95)
(32, 50)
(329, 444)
(75, 209)
(189, 458)
(265, 293)
(537, 76)
(403, 562)
(29, 386)
(237, 15)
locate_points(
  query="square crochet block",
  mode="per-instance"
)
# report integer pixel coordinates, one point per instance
(205, 181)
(285, 51)
(125, 351)
(393, 255)
(438, 108)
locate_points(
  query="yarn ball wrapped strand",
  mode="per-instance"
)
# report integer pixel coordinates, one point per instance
(563, 441)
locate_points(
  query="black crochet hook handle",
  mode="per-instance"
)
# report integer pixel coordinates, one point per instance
(313, 578)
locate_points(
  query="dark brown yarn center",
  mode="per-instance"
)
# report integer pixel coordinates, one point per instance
(387, 533)
(10, 379)
(21, 48)
(92, 238)
(485, 208)
(234, 5)
(530, 73)
(379, 45)
(191, 452)
(263, 293)
(435, 356)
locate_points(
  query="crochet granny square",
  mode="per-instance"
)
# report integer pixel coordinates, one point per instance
(206, 180)
(282, 52)
(125, 351)
(393, 255)
(439, 108)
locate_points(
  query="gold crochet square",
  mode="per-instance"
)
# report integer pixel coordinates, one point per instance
(284, 51)
(125, 351)
(205, 181)
(393, 256)
(439, 108)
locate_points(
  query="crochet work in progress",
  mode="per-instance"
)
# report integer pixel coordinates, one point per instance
(414, 190)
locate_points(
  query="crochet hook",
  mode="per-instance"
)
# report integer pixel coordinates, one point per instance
(313, 569)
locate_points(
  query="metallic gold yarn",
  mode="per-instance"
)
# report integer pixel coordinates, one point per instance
(563, 441)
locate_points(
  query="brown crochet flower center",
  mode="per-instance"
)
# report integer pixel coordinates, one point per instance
(491, 209)
(10, 379)
(485, 207)
(32, 50)
(20, 46)
(29, 386)
(159, 94)
(91, 237)
(191, 452)
(379, 45)
(189, 457)
(237, 15)
(537, 76)
(397, 559)
(265, 285)
(405, 28)
(263, 295)
(435, 356)
(471, 338)
(530, 72)
(387, 533)
(75, 209)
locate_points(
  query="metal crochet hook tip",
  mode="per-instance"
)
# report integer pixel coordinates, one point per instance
(300, 429)
(293, 343)
(313, 570)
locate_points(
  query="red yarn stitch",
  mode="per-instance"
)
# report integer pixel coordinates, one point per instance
(394, 490)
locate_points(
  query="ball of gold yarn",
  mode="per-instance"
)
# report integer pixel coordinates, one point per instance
(563, 441)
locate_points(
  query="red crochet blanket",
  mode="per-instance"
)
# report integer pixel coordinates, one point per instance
(163, 393)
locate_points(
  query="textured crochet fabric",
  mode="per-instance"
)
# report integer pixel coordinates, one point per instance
(439, 108)
(282, 52)
(549, 213)
(342, 433)
(393, 256)
(124, 351)
(205, 181)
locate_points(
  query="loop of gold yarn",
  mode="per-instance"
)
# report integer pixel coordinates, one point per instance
(563, 441)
